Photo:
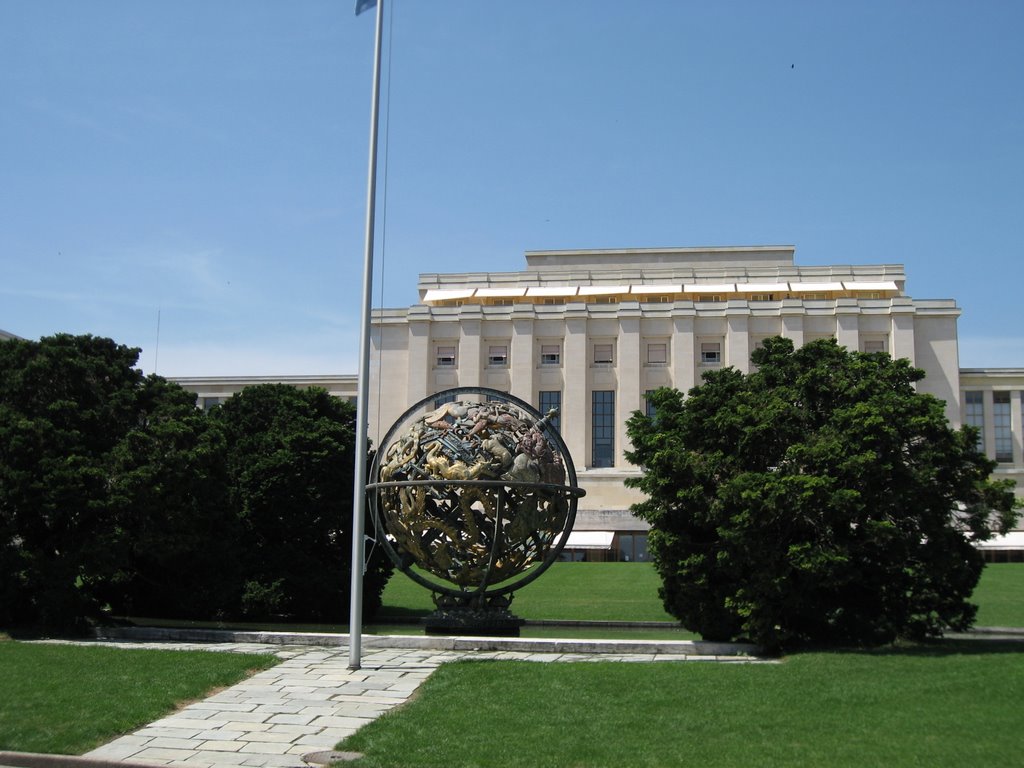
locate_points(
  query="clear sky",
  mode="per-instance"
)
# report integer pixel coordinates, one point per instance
(202, 163)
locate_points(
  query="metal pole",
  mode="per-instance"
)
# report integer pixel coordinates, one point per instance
(355, 623)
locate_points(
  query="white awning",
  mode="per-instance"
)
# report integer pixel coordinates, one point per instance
(438, 294)
(1012, 540)
(866, 286)
(590, 540)
(675, 288)
(551, 290)
(762, 287)
(603, 290)
(815, 287)
(710, 288)
(500, 293)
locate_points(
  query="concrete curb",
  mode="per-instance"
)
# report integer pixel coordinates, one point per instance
(430, 642)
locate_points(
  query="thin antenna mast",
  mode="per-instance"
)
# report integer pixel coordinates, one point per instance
(156, 356)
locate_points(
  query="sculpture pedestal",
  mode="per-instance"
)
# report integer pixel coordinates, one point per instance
(470, 616)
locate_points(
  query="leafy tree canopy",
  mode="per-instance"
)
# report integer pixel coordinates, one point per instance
(290, 475)
(65, 403)
(117, 493)
(818, 499)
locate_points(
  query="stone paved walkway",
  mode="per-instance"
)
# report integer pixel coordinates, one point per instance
(307, 703)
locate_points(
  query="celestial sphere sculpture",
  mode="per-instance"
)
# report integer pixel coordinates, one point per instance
(480, 493)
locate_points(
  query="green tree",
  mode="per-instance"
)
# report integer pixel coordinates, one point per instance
(290, 474)
(818, 499)
(65, 402)
(178, 537)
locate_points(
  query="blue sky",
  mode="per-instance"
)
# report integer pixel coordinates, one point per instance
(204, 163)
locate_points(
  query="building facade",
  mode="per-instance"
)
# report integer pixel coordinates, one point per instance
(590, 332)
(214, 390)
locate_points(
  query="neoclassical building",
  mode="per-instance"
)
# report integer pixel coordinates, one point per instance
(591, 331)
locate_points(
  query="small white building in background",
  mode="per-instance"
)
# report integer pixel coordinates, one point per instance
(591, 331)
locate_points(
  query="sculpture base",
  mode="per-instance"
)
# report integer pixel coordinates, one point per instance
(463, 620)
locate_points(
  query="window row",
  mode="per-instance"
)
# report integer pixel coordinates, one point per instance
(446, 355)
(602, 353)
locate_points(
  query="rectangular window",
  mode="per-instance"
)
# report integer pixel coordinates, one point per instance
(445, 356)
(550, 354)
(710, 353)
(603, 354)
(762, 297)
(649, 408)
(1001, 422)
(551, 399)
(632, 547)
(874, 345)
(603, 428)
(974, 414)
(497, 356)
(657, 353)
(709, 297)
(440, 400)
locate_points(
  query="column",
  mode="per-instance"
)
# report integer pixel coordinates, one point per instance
(523, 356)
(420, 362)
(469, 362)
(847, 324)
(737, 339)
(576, 397)
(793, 321)
(628, 362)
(683, 354)
(902, 336)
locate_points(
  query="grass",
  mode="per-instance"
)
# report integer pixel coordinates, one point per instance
(567, 591)
(950, 705)
(1000, 596)
(69, 699)
(622, 592)
(629, 592)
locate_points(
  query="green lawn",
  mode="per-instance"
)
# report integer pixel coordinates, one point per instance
(956, 705)
(569, 591)
(70, 699)
(626, 592)
(629, 592)
(1000, 596)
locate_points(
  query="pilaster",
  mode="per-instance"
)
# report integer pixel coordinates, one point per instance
(523, 356)
(847, 324)
(576, 397)
(470, 341)
(737, 338)
(683, 353)
(628, 362)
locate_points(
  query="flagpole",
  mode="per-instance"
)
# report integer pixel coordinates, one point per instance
(355, 624)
